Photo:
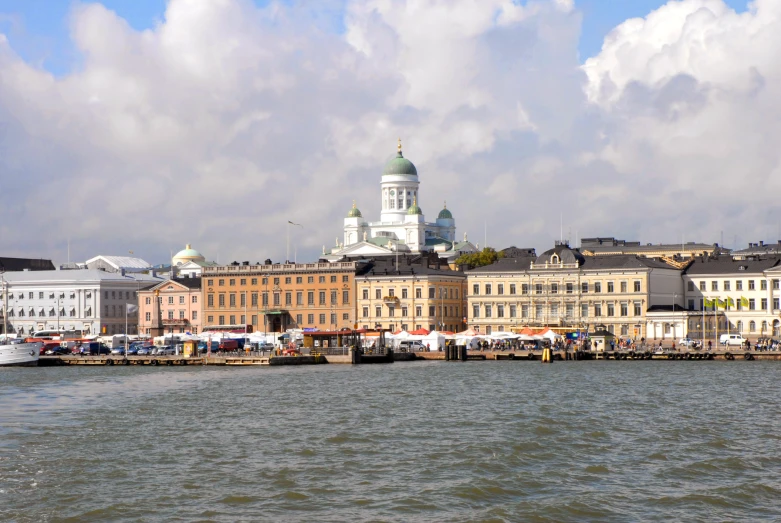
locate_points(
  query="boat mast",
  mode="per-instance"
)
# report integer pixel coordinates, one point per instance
(5, 304)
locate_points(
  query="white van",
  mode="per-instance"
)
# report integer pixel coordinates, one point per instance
(732, 339)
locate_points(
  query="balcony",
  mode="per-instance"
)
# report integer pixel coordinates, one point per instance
(176, 321)
(390, 300)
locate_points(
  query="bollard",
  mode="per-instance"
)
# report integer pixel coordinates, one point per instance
(463, 352)
(547, 356)
(447, 352)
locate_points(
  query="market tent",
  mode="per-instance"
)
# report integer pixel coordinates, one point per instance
(420, 332)
(435, 340)
(548, 334)
(400, 335)
(468, 332)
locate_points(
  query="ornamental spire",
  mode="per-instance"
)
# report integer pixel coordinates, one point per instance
(399, 146)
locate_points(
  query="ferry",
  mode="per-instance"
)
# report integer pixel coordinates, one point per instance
(18, 352)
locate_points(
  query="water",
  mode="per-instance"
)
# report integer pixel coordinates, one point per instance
(436, 441)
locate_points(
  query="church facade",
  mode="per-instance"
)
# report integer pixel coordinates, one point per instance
(402, 227)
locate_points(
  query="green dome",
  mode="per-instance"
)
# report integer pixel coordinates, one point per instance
(400, 165)
(444, 214)
(354, 212)
(414, 209)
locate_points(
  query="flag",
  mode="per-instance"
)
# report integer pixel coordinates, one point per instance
(707, 303)
(132, 309)
(730, 302)
(291, 223)
(744, 301)
(722, 303)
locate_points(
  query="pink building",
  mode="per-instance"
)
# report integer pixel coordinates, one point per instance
(173, 306)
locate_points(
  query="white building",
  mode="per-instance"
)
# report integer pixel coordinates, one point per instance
(402, 226)
(88, 300)
(117, 264)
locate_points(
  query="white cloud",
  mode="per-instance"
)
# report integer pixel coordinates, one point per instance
(224, 121)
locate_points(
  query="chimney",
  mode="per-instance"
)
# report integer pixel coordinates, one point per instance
(761, 243)
(122, 272)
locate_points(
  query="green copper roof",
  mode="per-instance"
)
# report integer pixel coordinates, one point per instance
(414, 209)
(354, 212)
(400, 165)
(444, 214)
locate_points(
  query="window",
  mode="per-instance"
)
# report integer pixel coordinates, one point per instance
(321, 279)
(221, 283)
(310, 298)
(691, 305)
(751, 285)
(276, 299)
(148, 316)
(195, 299)
(727, 285)
(513, 311)
(475, 311)
(310, 318)
(276, 281)
(170, 300)
(222, 300)
(431, 311)
(322, 297)
(299, 298)
(751, 304)
(333, 279)
(391, 292)
(487, 289)
(500, 311)
(625, 309)
(570, 288)
(611, 309)
(554, 310)
(432, 293)
(345, 297)
(624, 329)
(209, 300)
(538, 313)
(378, 311)
(404, 293)
(512, 288)
(418, 293)
(623, 286)
(322, 317)
(610, 288)
(764, 304)
(500, 288)
(702, 286)
(254, 281)
(554, 288)
(288, 280)
(418, 310)
(638, 311)
(584, 310)
(538, 288)
(524, 311)
(345, 278)
(524, 288)
(365, 312)
(752, 326)
(334, 297)
(714, 285)
(776, 284)
(598, 286)
(299, 317)
(377, 294)
(763, 285)
(181, 315)
(637, 285)
(243, 301)
(776, 304)
(210, 319)
(689, 286)
(195, 315)
(488, 311)
(404, 311)
(170, 315)
(310, 279)
(346, 316)
(210, 283)
(288, 298)
(232, 283)
(333, 315)
(232, 299)
(584, 287)
(365, 294)
(299, 280)
(597, 310)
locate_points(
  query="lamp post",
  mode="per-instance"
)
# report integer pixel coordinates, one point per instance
(675, 296)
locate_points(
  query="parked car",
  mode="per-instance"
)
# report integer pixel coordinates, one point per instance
(411, 346)
(93, 348)
(732, 340)
(168, 350)
(144, 351)
(229, 345)
(266, 346)
(203, 346)
(687, 342)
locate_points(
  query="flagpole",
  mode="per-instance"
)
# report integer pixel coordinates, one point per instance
(126, 330)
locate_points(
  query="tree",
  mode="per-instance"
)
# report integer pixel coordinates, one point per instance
(480, 259)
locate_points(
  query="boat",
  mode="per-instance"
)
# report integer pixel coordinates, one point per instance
(20, 353)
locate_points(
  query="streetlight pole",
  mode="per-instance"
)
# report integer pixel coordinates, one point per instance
(675, 295)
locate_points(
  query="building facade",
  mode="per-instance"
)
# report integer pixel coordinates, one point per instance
(87, 300)
(172, 306)
(567, 292)
(410, 294)
(610, 246)
(724, 294)
(277, 297)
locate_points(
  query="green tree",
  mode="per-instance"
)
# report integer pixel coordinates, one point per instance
(479, 259)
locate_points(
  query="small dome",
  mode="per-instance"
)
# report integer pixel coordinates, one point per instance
(354, 212)
(186, 255)
(400, 165)
(414, 209)
(444, 214)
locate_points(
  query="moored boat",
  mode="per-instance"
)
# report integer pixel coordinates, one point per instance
(19, 353)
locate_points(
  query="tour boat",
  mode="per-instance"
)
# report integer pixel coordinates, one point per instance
(19, 353)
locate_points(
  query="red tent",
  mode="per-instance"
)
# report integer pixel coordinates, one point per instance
(420, 332)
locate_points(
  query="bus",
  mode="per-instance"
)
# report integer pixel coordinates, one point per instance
(57, 335)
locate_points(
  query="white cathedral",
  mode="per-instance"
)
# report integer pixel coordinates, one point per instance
(402, 228)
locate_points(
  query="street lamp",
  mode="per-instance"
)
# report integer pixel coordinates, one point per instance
(675, 296)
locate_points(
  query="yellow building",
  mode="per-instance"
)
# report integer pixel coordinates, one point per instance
(411, 294)
(566, 291)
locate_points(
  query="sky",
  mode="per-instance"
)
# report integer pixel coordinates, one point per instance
(142, 126)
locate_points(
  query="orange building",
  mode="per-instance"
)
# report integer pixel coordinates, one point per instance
(277, 297)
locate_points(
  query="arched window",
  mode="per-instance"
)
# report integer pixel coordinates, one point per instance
(555, 259)
(764, 327)
(752, 326)
(740, 326)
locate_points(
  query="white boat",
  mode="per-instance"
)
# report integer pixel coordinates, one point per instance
(19, 353)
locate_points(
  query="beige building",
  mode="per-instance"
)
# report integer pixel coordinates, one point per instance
(411, 294)
(612, 247)
(172, 306)
(566, 291)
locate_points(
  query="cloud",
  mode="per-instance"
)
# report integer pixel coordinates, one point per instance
(226, 120)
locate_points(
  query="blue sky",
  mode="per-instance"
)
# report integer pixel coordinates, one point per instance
(38, 29)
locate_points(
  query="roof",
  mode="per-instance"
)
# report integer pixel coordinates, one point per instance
(727, 265)
(190, 283)
(400, 165)
(515, 252)
(354, 212)
(407, 266)
(445, 214)
(120, 262)
(79, 275)
(20, 264)
(564, 252)
(505, 265)
(619, 261)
